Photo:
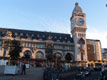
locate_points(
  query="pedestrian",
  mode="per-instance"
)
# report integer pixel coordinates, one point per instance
(20, 67)
(23, 69)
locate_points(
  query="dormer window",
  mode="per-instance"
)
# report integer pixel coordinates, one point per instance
(63, 41)
(43, 36)
(32, 35)
(16, 34)
(0, 42)
(68, 41)
(38, 35)
(0, 45)
(40, 39)
(27, 35)
(60, 37)
(21, 34)
(3, 32)
(65, 37)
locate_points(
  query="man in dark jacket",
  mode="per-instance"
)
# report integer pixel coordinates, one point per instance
(23, 69)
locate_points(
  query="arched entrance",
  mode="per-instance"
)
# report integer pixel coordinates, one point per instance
(27, 54)
(69, 57)
(39, 55)
(58, 55)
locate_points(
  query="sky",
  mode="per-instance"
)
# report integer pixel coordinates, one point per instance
(54, 16)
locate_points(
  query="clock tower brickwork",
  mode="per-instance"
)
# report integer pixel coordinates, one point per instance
(78, 30)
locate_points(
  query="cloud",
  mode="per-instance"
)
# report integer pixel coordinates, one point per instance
(93, 33)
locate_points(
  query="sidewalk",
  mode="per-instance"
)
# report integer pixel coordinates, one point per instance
(31, 74)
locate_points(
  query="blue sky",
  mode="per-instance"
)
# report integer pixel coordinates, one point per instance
(54, 16)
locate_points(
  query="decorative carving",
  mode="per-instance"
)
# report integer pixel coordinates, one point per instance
(9, 34)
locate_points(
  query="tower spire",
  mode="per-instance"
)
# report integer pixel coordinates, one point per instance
(76, 4)
(77, 8)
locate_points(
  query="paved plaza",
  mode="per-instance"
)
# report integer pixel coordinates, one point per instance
(36, 73)
(31, 74)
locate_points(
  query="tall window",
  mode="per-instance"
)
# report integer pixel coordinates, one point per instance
(0, 45)
(58, 47)
(25, 44)
(4, 52)
(31, 45)
(82, 56)
(39, 55)
(40, 45)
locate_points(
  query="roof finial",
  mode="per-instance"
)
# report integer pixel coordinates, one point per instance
(76, 3)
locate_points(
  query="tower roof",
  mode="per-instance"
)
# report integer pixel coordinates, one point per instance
(77, 8)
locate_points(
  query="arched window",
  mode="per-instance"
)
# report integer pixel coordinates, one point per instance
(58, 55)
(69, 57)
(39, 55)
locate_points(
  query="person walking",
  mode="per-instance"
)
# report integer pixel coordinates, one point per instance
(23, 69)
(20, 67)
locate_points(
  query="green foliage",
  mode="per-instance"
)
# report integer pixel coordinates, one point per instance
(15, 49)
(49, 53)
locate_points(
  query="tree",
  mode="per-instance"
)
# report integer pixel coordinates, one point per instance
(15, 49)
(49, 53)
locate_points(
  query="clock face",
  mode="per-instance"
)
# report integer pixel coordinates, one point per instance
(80, 21)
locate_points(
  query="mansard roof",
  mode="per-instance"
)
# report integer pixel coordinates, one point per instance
(39, 35)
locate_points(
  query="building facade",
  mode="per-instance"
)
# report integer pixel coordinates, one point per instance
(104, 54)
(94, 52)
(78, 30)
(36, 43)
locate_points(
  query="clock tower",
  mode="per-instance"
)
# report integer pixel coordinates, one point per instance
(78, 30)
